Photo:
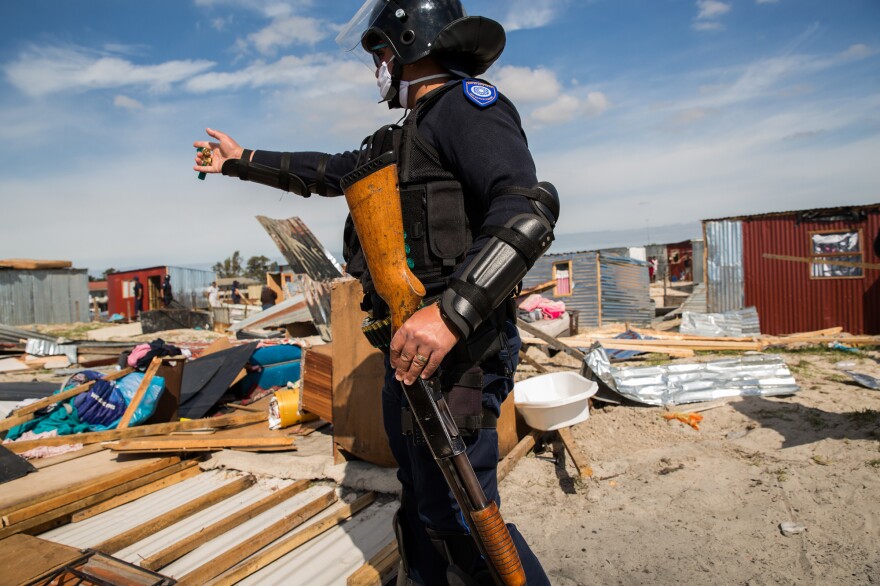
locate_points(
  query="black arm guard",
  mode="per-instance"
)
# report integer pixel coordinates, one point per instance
(499, 267)
(282, 178)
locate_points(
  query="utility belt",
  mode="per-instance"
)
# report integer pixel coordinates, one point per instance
(465, 401)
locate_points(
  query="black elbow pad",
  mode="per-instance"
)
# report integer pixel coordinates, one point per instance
(499, 267)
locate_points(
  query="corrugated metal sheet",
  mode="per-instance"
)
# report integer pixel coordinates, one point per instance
(53, 296)
(699, 252)
(241, 533)
(625, 290)
(289, 311)
(189, 285)
(787, 298)
(331, 558)
(93, 531)
(743, 323)
(585, 284)
(762, 375)
(302, 250)
(724, 265)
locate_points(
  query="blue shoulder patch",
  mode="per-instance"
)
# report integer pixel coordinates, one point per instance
(479, 92)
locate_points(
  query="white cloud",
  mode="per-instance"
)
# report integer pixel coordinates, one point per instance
(568, 107)
(859, 51)
(286, 31)
(708, 13)
(522, 84)
(305, 72)
(40, 71)
(127, 103)
(529, 14)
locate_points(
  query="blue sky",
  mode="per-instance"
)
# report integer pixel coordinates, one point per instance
(648, 115)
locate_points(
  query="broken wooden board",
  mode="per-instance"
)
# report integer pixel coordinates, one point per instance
(24, 558)
(69, 477)
(140, 431)
(31, 264)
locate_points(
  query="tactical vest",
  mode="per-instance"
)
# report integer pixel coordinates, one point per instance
(435, 220)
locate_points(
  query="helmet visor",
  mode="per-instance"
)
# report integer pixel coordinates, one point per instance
(349, 38)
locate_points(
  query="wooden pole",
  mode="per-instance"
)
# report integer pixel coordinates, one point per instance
(139, 394)
(578, 457)
(825, 260)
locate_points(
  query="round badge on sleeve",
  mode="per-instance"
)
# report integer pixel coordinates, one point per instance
(480, 93)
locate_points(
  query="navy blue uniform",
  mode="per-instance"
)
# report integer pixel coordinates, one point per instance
(486, 149)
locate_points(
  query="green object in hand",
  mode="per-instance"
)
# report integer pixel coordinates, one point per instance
(202, 175)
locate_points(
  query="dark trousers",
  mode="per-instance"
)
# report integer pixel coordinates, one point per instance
(427, 500)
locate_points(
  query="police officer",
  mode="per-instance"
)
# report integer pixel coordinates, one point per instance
(476, 219)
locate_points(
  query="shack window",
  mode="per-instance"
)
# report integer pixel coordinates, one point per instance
(832, 248)
(563, 277)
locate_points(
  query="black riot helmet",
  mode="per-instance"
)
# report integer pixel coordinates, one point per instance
(415, 29)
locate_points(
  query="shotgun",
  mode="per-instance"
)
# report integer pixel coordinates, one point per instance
(373, 198)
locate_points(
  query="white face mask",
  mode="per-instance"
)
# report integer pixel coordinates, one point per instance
(385, 83)
(383, 80)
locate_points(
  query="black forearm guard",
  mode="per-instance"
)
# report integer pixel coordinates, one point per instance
(499, 267)
(282, 178)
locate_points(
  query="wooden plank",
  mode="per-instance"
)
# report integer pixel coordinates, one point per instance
(32, 264)
(523, 357)
(62, 515)
(134, 494)
(177, 550)
(144, 530)
(199, 444)
(41, 463)
(91, 488)
(553, 342)
(578, 458)
(69, 477)
(524, 446)
(242, 551)
(25, 558)
(282, 548)
(138, 431)
(142, 389)
(825, 260)
(378, 568)
(58, 397)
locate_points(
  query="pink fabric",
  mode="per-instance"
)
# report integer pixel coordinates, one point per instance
(29, 435)
(138, 353)
(49, 451)
(532, 302)
(549, 308)
(553, 309)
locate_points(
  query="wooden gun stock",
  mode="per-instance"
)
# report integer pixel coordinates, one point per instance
(374, 203)
(373, 198)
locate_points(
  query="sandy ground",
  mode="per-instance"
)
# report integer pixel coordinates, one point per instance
(672, 505)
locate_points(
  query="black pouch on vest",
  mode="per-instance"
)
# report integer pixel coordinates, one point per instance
(447, 222)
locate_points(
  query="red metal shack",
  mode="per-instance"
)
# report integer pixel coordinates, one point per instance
(786, 265)
(188, 287)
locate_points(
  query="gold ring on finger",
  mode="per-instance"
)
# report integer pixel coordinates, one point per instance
(421, 359)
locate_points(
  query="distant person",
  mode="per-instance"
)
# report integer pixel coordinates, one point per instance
(652, 268)
(268, 297)
(213, 295)
(167, 294)
(236, 293)
(138, 297)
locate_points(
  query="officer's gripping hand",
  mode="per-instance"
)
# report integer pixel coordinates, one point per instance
(420, 345)
(220, 152)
